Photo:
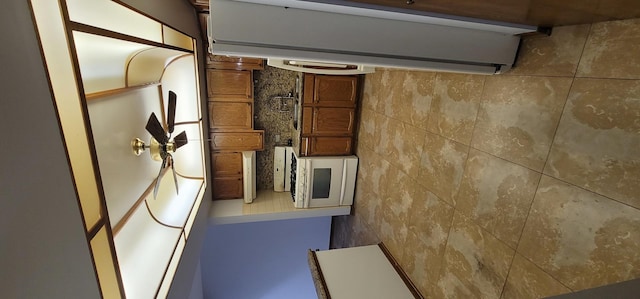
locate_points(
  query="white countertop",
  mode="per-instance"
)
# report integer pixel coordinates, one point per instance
(268, 205)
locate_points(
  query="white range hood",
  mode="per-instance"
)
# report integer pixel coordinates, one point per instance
(325, 32)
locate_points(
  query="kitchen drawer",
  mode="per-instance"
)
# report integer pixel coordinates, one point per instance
(241, 140)
(326, 146)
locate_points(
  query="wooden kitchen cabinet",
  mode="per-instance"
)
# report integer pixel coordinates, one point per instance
(241, 140)
(229, 83)
(227, 175)
(227, 163)
(227, 187)
(330, 91)
(230, 115)
(329, 121)
(328, 115)
(230, 94)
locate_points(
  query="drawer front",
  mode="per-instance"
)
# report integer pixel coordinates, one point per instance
(329, 146)
(237, 141)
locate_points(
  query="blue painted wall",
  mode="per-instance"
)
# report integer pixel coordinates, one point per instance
(266, 260)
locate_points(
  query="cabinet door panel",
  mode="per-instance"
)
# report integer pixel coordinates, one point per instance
(335, 91)
(227, 187)
(329, 146)
(227, 164)
(333, 121)
(230, 115)
(237, 141)
(229, 82)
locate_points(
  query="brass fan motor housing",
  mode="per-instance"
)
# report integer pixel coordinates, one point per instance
(156, 149)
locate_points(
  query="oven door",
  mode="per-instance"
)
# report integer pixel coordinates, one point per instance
(324, 182)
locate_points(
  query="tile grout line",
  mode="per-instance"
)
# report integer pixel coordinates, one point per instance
(444, 250)
(466, 160)
(567, 99)
(543, 270)
(526, 219)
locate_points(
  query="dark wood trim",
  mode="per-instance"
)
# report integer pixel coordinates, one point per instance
(190, 177)
(89, 233)
(202, 185)
(68, 24)
(170, 62)
(127, 215)
(173, 253)
(112, 92)
(146, 204)
(150, 17)
(126, 67)
(193, 122)
(74, 26)
(94, 230)
(412, 288)
(322, 280)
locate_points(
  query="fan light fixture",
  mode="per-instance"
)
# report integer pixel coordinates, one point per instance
(160, 146)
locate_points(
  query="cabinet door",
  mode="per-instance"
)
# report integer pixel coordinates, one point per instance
(326, 146)
(237, 140)
(227, 164)
(335, 91)
(333, 121)
(230, 115)
(229, 83)
(227, 187)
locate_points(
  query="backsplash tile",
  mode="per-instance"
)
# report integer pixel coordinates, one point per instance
(270, 83)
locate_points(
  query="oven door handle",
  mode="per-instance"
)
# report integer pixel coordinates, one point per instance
(343, 186)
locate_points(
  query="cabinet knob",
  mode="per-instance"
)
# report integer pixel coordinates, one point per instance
(409, 2)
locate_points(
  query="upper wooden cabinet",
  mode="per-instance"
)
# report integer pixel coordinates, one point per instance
(229, 83)
(330, 91)
(234, 63)
(329, 121)
(328, 115)
(230, 115)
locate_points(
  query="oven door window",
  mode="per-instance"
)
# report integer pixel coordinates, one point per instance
(321, 183)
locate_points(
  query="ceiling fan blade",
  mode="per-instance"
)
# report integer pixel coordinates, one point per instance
(180, 139)
(171, 112)
(173, 169)
(157, 186)
(154, 127)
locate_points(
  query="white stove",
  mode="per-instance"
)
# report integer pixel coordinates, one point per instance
(315, 181)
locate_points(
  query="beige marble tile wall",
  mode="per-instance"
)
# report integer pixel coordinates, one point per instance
(520, 185)
(270, 83)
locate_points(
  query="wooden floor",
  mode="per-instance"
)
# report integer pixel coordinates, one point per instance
(532, 12)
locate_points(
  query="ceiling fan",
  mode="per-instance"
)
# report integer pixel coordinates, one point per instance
(161, 146)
